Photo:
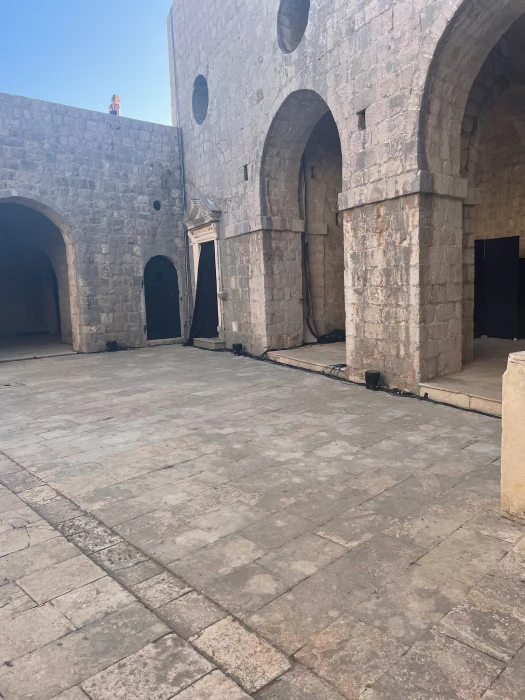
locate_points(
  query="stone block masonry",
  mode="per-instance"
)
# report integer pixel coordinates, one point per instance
(97, 177)
(409, 86)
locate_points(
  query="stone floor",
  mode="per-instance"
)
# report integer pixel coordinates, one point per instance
(479, 385)
(182, 524)
(32, 348)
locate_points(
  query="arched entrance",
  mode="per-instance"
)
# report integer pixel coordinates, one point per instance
(301, 179)
(473, 136)
(161, 291)
(35, 309)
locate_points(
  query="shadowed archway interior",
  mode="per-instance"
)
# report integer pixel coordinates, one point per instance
(473, 139)
(301, 179)
(34, 286)
(161, 291)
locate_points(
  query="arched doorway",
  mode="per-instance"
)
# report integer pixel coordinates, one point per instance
(473, 139)
(301, 179)
(35, 310)
(161, 291)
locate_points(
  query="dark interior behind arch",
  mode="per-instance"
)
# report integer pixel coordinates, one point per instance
(161, 291)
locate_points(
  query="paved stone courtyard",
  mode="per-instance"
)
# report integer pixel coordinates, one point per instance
(177, 523)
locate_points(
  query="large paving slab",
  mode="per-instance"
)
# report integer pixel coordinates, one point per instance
(178, 523)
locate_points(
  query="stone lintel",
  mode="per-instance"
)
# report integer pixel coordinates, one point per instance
(513, 446)
(416, 182)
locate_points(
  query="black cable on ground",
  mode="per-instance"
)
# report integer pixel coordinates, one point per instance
(332, 372)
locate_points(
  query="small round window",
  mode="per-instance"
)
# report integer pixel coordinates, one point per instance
(201, 99)
(292, 21)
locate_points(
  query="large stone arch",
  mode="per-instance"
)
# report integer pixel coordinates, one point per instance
(462, 85)
(288, 135)
(302, 233)
(64, 266)
(469, 37)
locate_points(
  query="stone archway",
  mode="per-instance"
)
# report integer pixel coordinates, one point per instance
(301, 179)
(38, 284)
(478, 64)
(471, 35)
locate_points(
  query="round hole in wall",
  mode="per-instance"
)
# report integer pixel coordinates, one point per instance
(157, 205)
(201, 99)
(292, 21)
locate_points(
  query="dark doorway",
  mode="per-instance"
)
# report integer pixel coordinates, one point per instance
(161, 289)
(206, 314)
(497, 288)
(28, 289)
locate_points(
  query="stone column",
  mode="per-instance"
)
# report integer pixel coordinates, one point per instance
(283, 286)
(513, 447)
(403, 278)
(382, 290)
(441, 285)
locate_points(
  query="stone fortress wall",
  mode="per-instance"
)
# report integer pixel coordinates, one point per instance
(95, 178)
(370, 142)
(396, 76)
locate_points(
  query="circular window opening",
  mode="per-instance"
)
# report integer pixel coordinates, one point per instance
(292, 21)
(157, 205)
(201, 99)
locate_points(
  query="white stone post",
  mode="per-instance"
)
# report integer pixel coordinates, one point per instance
(513, 447)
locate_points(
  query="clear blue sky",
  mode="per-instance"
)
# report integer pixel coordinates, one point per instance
(80, 52)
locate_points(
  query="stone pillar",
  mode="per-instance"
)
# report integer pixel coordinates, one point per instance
(262, 271)
(441, 285)
(283, 287)
(513, 447)
(404, 283)
(382, 290)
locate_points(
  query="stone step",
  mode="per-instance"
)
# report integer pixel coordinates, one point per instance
(209, 343)
(484, 404)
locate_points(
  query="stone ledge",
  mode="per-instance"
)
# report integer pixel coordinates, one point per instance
(209, 343)
(416, 182)
(470, 402)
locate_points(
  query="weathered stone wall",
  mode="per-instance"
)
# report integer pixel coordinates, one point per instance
(440, 285)
(366, 54)
(500, 178)
(396, 76)
(97, 177)
(355, 56)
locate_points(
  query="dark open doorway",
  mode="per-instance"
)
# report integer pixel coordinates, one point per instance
(206, 314)
(34, 290)
(161, 290)
(497, 303)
